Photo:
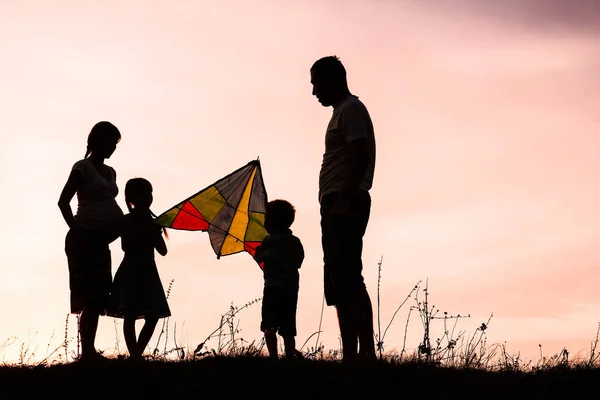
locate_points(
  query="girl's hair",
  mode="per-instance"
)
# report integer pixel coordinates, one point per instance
(135, 187)
(102, 131)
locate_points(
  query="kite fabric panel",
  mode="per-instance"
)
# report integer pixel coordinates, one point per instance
(232, 211)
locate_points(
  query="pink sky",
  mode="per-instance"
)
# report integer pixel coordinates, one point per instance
(486, 121)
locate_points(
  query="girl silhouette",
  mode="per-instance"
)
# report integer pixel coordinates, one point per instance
(94, 226)
(137, 290)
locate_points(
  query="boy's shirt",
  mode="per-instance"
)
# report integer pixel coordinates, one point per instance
(282, 253)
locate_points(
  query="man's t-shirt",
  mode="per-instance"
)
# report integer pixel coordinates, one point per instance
(350, 121)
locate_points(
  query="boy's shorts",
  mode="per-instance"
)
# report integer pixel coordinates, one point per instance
(279, 310)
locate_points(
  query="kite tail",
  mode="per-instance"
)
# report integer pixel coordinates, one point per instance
(164, 229)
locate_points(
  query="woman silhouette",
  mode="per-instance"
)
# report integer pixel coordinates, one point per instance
(92, 229)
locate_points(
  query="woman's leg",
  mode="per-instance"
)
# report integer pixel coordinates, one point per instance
(90, 277)
(146, 334)
(88, 327)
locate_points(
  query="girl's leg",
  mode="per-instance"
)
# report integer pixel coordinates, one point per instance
(271, 341)
(129, 333)
(88, 327)
(146, 334)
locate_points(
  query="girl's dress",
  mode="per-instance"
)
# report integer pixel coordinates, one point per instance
(137, 291)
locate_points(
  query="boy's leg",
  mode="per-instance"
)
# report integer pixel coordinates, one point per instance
(289, 343)
(287, 321)
(268, 323)
(130, 337)
(146, 334)
(271, 341)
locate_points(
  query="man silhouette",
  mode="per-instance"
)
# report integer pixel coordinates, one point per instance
(344, 182)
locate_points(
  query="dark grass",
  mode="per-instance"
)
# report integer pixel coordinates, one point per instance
(258, 377)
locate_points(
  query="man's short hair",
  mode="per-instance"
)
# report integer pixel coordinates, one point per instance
(329, 67)
(281, 212)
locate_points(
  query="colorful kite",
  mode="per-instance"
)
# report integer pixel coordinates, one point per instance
(232, 210)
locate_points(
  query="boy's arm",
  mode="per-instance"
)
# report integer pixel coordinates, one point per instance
(263, 251)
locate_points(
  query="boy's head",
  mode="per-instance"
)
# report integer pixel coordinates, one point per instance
(279, 216)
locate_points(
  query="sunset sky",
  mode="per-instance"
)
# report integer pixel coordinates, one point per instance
(486, 183)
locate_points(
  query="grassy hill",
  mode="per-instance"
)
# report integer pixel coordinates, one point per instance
(258, 377)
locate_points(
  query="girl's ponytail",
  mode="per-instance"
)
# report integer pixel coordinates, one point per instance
(87, 151)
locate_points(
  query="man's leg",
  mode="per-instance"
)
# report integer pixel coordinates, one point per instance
(361, 302)
(365, 326)
(333, 232)
(348, 331)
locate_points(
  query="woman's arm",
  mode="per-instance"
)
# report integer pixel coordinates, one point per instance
(67, 194)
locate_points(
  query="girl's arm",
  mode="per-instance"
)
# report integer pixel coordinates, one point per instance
(159, 242)
(67, 195)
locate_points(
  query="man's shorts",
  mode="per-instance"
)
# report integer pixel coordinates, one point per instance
(342, 247)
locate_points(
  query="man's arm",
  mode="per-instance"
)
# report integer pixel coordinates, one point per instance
(355, 129)
(359, 162)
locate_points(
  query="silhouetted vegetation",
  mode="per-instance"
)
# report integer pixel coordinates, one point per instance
(454, 365)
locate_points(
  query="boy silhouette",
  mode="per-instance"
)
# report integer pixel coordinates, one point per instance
(282, 254)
